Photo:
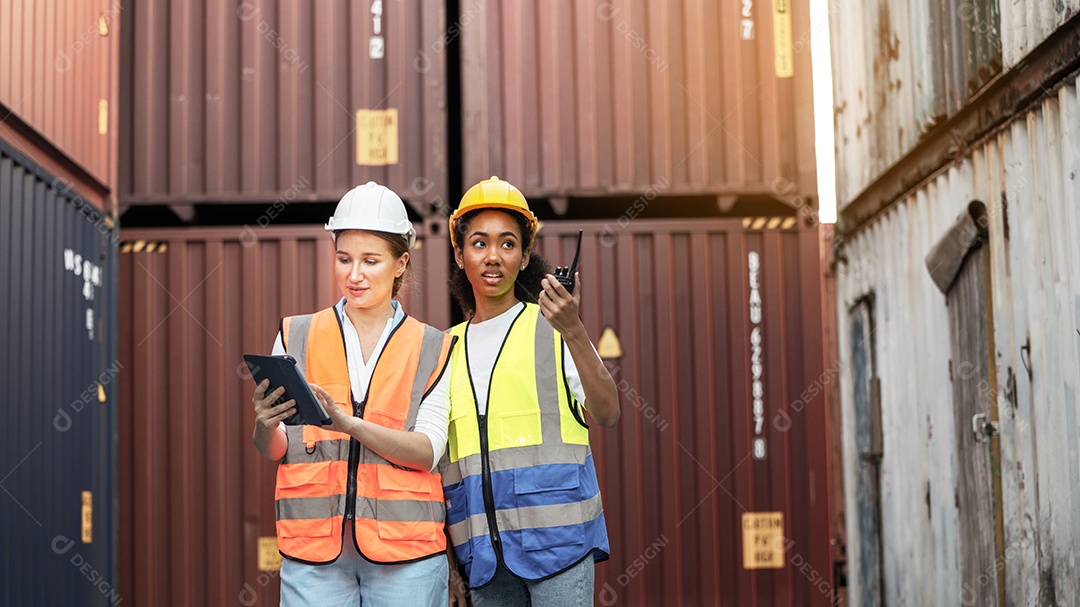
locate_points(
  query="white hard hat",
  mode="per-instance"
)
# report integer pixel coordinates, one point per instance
(372, 207)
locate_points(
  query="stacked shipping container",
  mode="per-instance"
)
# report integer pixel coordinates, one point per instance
(677, 473)
(59, 367)
(57, 264)
(257, 102)
(242, 101)
(958, 310)
(593, 98)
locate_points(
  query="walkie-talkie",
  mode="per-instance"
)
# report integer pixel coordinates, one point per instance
(565, 275)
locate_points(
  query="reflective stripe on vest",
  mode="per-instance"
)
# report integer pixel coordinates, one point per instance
(546, 498)
(399, 513)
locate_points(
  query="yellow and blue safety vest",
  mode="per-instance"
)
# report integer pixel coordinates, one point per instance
(519, 481)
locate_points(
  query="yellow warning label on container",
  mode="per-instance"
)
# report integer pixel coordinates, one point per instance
(785, 62)
(376, 137)
(609, 346)
(763, 540)
(87, 517)
(103, 117)
(269, 557)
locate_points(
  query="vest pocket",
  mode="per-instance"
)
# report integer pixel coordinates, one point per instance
(408, 531)
(463, 433)
(407, 520)
(552, 537)
(457, 504)
(457, 513)
(404, 509)
(384, 419)
(393, 482)
(553, 496)
(306, 528)
(537, 479)
(519, 429)
(303, 480)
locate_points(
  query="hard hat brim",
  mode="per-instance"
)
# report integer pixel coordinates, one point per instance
(409, 235)
(485, 206)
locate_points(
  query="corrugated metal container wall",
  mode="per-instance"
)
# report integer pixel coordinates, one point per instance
(1025, 25)
(195, 495)
(587, 98)
(58, 367)
(1025, 176)
(679, 470)
(239, 101)
(900, 73)
(58, 78)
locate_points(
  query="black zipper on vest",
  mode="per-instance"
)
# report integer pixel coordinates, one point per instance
(358, 411)
(485, 465)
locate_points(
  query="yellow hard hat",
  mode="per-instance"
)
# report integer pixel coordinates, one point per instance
(493, 193)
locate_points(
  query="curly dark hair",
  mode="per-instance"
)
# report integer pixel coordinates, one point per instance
(526, 288)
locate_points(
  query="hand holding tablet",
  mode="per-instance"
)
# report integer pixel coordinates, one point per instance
(282, 371)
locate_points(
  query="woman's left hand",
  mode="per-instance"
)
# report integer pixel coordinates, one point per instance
(559, 306)
(340, 421)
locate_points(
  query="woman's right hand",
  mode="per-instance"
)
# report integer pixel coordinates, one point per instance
(458, 591)
(267, 414)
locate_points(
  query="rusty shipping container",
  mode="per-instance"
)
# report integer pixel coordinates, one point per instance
(59, 370)
(708, 315)
(570, 99)
(992, 517)
(881, 119)
(241, 101)
(195, 495)
(678, 473)
(58, 89)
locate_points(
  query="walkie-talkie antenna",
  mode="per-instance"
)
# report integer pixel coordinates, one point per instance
(565, 275)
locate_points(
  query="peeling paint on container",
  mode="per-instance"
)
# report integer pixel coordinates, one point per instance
(1026, 176)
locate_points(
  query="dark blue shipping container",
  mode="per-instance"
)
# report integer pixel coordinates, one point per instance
(59, 369)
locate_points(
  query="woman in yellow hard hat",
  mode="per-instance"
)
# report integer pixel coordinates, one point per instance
(360, 510)
(524, 513)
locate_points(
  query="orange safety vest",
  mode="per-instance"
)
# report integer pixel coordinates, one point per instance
(328, 477)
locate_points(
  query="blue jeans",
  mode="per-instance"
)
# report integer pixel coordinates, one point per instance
(353, 580)
(570, 588)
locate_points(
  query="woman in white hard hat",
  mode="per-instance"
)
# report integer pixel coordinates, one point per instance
(523, 503)
(360, 512)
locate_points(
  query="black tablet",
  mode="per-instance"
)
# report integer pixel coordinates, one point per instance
(282, 371)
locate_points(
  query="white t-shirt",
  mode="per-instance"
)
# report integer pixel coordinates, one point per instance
(486, 338)
(433, 416)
